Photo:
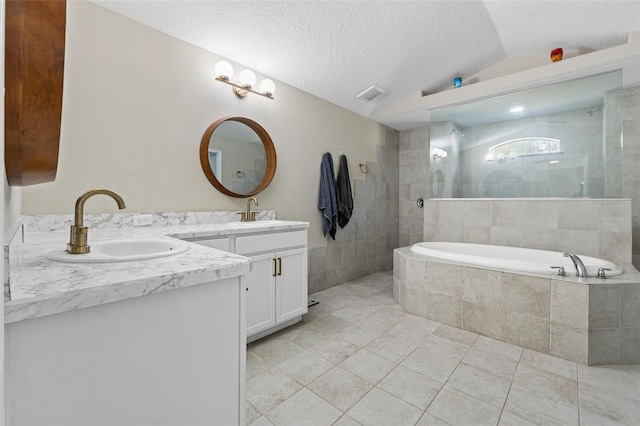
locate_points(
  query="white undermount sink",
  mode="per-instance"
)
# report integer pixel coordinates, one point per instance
(124, 250)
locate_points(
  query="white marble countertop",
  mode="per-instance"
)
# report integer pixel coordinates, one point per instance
(42, 287)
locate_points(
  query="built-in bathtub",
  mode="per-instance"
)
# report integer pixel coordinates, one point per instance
(512, 258)
(513, 295)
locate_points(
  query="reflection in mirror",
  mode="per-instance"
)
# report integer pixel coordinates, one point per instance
(559, 140)
(237, 156)
(215, 159)
(245, 159)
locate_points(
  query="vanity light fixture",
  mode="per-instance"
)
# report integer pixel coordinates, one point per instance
(246, 81)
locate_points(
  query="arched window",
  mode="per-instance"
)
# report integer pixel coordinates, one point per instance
(523, 147)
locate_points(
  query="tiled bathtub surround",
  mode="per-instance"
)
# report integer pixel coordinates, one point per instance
(592, 322)
(591, 227)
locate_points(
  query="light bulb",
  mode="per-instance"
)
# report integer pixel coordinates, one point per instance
(267, 87)
(247, 78)
(224, 70)
(439, 153)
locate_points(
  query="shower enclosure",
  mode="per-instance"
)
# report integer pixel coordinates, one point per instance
(559, 140)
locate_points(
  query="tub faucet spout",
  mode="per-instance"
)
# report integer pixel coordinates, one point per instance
(581, 270)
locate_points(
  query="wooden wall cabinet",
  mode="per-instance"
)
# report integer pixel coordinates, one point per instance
(34, 73)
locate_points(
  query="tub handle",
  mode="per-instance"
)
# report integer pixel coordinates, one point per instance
(560, 270)
(601, 273)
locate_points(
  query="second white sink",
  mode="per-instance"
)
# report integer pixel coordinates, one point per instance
(124, 250)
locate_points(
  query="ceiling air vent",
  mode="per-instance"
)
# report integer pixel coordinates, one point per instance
(371, 93)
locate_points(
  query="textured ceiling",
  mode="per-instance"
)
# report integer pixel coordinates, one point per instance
(337, 49)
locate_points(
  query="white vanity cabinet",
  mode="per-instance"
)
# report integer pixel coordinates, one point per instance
(276, 288)
(171, 358)
(277, 285)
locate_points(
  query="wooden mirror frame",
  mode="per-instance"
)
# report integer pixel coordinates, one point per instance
(266, 142)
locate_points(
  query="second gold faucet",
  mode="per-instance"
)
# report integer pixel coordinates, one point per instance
(249, 216)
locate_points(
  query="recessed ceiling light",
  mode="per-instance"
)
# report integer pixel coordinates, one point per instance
(518, 108)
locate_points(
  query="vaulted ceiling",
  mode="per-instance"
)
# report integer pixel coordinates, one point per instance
(337, 49)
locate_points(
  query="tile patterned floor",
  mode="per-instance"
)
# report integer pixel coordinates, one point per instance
(358, 359)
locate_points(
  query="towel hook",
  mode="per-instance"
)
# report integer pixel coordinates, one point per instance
(364, 168)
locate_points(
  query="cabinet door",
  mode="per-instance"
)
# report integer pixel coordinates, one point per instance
(259, 285)
(291, 284)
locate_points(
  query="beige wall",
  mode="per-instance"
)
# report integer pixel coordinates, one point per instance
(136, 103)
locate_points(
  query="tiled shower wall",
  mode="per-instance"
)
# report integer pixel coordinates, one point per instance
(579, 173)
(366, 244)
(414, 173)
(591, 227)
(631, 162)
(414, 183)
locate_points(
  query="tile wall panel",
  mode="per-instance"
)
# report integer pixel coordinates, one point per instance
(536, 223)
(366, 244)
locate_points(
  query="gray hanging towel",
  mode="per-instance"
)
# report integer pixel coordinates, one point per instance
(345, 198)
(327, 201)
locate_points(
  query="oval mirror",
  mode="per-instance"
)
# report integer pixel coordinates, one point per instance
(237, 156)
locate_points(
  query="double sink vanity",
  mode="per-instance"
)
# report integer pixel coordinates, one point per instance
(158, 339)
(111, 322)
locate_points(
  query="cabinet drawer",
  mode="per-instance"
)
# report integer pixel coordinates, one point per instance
(270, 242)
(218, 243)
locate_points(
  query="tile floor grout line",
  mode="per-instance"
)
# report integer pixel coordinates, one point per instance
(463, 392)
(506, 398)
(579, 399)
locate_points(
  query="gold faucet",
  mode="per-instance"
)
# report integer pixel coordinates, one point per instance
(79, 233)
(249, 216)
